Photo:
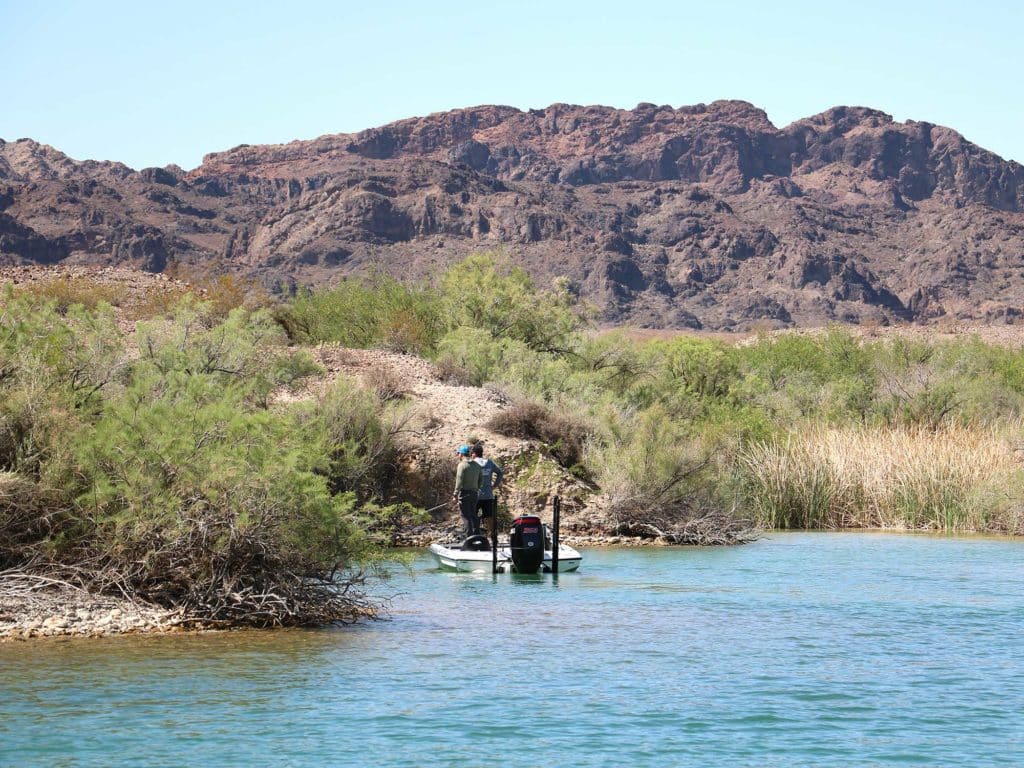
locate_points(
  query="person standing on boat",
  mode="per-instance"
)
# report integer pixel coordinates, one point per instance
(468, 478)
(491, 477)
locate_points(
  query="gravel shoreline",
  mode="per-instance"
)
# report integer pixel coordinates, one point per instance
(68, 612)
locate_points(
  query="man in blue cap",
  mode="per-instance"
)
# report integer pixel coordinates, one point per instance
(468, 479)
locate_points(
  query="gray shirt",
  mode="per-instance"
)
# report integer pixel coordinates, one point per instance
(491, 476)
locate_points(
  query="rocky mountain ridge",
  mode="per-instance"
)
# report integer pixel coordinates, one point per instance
(705, 216)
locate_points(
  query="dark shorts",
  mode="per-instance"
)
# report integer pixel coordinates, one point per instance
(486, 507)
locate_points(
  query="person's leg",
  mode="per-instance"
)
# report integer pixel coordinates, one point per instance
(475, 518)
(467, 506)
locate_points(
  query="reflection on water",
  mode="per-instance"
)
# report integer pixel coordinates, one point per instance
(802, 649)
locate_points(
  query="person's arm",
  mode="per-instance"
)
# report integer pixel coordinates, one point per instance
(498, 475)
(458, 478)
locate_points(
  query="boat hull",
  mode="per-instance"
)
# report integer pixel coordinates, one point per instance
(450, 557)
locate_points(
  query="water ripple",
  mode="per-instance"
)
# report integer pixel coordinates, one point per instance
(801, 650)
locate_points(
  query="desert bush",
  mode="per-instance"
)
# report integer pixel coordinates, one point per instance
(199, 496)
(643, 462)
(65, 292)
(658, 481)
(360, 435)
(511, 363)
(29, 515)
(386, 383)
(474, 293)
(697, 366)
(195, 500)
(158, 301)
(405, 331)
(244, 351)
(364, 312)
(219, 285)
(563, 433)
(480, 292)
(54, 369)
(448, 371)
(477, 352)
(162, 474)
(616, 364)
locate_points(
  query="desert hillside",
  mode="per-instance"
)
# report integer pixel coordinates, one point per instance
(702, 217)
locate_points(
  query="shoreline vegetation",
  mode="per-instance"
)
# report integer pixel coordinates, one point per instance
(160, 445)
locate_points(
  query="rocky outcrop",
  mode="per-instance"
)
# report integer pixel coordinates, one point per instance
(701, 216)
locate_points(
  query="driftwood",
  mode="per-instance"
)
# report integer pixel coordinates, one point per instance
(710, 527)
(284, 600)
(206, 567)
(663, 511)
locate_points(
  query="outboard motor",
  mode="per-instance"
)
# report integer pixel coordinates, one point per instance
(526, 542)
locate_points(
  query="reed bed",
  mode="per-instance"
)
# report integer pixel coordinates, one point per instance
(954, 478)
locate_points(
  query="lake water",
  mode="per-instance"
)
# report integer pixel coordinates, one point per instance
(798, 650)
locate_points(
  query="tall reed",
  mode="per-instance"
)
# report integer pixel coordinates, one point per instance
(950, 479)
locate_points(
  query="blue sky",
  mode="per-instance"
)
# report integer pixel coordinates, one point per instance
(168, 83)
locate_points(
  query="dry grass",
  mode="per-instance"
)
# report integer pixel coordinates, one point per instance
(386, 383)
(450, 372)
(564, 433)
(68, 291)
(948, 479)
(218, 285)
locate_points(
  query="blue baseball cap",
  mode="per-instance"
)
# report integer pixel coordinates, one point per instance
(463, 449)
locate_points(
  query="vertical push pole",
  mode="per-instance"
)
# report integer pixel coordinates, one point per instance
(554, 534)
(494, 536)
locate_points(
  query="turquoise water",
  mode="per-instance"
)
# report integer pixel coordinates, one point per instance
(798, 650)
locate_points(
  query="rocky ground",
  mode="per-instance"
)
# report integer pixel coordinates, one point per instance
(127, 287)
(34, 607)
(444, 414)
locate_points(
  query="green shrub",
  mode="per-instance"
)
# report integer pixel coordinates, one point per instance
(197, 501)
(358, 438)
(480, 293)
(475, 293)
(645, 463)
(660, 481)
(366, 312)
(162, 473)
(244, 351)
(54, 370)
(480, 355)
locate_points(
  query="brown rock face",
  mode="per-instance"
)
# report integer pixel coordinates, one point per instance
(704, 216)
